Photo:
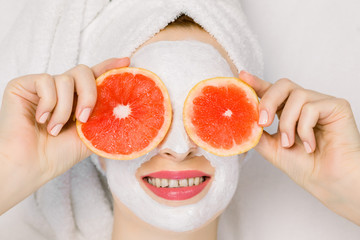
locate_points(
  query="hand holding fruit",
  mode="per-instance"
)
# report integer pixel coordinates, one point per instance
(317, 143)
(29, 150)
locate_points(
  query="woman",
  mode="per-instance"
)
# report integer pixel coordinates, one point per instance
(266, 146)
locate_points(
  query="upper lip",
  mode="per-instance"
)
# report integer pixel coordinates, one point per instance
(177, 174)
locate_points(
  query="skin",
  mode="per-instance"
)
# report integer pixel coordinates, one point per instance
(125, 222)
(317, 145)
(130, 227)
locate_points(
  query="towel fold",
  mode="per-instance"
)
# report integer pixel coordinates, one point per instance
(46, 37)
(54, 36)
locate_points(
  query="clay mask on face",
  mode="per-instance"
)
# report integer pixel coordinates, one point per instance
(180, 65)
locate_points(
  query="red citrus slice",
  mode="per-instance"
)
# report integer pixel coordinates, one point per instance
(131, 116)
(221, 114)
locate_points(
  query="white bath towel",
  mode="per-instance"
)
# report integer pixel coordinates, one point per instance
(53, 36)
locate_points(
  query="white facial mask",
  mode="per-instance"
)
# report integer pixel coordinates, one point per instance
(180, 65)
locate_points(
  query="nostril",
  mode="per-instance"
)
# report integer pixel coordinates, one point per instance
(167, 153)
(170, 154)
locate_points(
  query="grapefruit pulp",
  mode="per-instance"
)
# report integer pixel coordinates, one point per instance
(220, 115)
(131, 116)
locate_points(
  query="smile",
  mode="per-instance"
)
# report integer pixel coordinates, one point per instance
(176, 185)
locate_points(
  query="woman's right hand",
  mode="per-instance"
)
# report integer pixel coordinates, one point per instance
(38, 139)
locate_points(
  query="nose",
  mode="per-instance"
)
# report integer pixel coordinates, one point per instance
(175, 156)
(177, 146)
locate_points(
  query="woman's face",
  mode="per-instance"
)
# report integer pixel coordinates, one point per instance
(178, 186)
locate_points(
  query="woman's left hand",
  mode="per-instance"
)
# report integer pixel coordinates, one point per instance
(317, 143)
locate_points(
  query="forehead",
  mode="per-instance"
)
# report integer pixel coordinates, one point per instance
(181, 64)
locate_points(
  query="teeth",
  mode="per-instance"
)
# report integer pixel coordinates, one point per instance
(174, 183)
(164, 182)
(183, 183)
(191, 182)
(158, 182)
(197, 181)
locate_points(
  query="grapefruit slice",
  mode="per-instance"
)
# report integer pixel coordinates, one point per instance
(220, 115)
(131, 116)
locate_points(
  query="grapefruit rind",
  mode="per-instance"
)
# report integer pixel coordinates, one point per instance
(163, 130)
(190, 128)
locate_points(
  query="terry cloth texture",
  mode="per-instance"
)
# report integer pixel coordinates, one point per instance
(54, 36)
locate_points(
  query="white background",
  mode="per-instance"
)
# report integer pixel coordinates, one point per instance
(317, 45)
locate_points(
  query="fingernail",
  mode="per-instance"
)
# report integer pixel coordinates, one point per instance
(307, 147)
(55, 130)
(85, 115)
(44, 117)
(284, 140)
(263, 117)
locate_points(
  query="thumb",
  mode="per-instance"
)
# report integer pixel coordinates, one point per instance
(110, 64)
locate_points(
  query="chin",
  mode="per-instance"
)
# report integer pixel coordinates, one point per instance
(175, 206)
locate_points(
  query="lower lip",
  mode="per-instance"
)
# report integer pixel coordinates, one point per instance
(179, 193)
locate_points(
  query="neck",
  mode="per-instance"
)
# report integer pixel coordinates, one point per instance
(127, 226)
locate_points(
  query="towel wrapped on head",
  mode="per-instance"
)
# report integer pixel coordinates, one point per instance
(62, 34)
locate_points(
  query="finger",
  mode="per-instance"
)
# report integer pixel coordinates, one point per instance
(110, 64)
(85, 84)
(291, 113)
(260, 86)
(46, 90)
(85, 87)
(65, 95)
(274, 99)
(309, 117)
(39, 89)
(322, 112)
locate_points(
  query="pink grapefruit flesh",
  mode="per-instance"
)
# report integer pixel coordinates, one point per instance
(221, 116)
(131, 117)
